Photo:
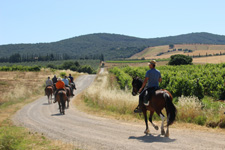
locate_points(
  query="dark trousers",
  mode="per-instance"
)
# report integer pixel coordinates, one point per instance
(146, 94)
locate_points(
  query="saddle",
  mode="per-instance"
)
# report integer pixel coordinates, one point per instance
(149, 93)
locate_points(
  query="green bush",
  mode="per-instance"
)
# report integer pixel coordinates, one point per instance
(62, 74)
(180, 60)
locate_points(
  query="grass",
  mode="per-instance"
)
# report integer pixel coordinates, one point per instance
(20, 88)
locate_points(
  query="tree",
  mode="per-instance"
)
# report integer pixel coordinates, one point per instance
(15, 58)
(180, 60)
(171, 46)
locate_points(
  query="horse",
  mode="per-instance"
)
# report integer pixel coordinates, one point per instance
(161, 99)
(49, 92)
(68, 94)
(72, 84)
(61, 98)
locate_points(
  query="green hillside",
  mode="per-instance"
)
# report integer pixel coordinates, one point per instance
(112, 46)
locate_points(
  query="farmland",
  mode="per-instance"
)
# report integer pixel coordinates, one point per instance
(163, 52)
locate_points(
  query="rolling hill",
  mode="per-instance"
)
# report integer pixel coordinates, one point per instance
(112, 46)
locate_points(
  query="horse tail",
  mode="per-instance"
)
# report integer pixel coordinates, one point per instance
(170, 109)
(62, 101)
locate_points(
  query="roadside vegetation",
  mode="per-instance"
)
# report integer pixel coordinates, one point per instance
(18, 88)
(87, 66)
(196, 90)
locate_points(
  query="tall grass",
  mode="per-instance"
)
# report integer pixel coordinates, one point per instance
(103, 96)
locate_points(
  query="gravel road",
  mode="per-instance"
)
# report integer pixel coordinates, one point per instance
(95, 133)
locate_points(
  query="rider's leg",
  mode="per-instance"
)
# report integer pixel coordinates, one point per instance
(56, 92)
(138, 109)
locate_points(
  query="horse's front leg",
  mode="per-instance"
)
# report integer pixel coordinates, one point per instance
(146, 121)
(150, 119)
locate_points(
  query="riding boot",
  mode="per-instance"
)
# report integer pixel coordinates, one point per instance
(54, 99)
(138, 109)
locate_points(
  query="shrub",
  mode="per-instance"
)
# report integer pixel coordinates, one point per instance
(180, 60)
(62, 74)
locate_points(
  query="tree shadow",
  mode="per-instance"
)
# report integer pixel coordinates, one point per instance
(149, 138)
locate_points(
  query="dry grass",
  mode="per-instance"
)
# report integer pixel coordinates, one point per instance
(189, 107)
(110, 98)
(212, 59)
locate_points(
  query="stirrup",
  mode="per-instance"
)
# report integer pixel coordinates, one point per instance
(137, 110)
(146, 104)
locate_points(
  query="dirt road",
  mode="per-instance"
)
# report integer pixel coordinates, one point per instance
(90, 132)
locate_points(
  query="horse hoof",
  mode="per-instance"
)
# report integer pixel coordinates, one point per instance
(162, 132)
(167, 135)
(156, 127)
(146, 131)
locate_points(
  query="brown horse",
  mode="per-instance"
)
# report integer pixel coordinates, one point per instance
(61, 98)
(161, 99)
(69, 94)
(49, 92)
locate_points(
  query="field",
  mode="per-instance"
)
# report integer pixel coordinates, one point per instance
(18, 88)
(197, 49)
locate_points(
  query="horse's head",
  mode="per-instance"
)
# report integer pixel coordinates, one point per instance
(136, 84)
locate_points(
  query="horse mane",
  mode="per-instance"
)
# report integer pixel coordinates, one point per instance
(139, 81)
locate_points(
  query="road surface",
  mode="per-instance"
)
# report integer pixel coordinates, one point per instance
(95, 133)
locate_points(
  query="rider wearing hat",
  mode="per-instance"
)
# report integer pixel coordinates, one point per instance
(152, 77)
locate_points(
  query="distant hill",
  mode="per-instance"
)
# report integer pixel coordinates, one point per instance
(112, 46)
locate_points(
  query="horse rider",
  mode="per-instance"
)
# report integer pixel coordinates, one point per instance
(60, 85)
(48, 83)
(66, 81)
(54, 79)
(71, 81)
(153, 77)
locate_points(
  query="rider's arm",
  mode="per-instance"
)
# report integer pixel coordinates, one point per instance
(143, 85)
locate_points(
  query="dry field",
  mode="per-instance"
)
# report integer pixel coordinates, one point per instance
(201, 49)
(212, 59)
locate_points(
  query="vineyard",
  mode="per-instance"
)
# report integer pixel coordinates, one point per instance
(189, 80)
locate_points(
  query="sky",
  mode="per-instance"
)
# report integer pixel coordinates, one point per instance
(43, 21)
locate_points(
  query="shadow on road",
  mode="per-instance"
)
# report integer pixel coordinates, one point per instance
(151, 138)
(46, 104)
(57, 114)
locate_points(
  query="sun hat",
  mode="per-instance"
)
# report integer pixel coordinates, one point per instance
(152, 62)
(59, 79)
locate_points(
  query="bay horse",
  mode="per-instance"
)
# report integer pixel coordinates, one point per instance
(61, 98)
(68, 94)
(49, 92)
(161, 99)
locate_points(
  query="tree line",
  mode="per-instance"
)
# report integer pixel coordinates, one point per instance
(16, 58)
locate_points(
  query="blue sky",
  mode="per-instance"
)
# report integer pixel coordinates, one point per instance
(37, 21)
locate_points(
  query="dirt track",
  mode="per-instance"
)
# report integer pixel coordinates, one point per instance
(91, 132)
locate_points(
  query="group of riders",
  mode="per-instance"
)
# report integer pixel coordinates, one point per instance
(60, 84)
